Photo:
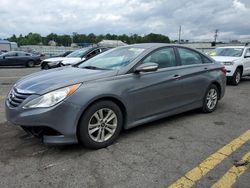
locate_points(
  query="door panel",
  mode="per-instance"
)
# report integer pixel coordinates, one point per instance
(247, 63)
(10, 59)
(153, 93)
(195, 75)
(194, 82)
(21, 59)
(157, 92)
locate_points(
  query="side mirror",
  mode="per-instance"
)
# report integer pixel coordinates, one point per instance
(3, 57)
(247, 55)
(147, 67)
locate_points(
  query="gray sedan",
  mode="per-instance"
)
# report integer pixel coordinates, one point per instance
(90, 103)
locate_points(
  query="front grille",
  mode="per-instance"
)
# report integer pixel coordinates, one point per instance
(16, 98)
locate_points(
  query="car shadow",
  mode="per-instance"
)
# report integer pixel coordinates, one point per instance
(243, 81)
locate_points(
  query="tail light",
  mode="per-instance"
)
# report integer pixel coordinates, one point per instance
(224, 70)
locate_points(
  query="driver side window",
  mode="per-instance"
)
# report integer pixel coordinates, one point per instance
(164, 58)
(247, 51)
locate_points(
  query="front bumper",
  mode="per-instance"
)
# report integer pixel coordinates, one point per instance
(230, 70)
(62, 119)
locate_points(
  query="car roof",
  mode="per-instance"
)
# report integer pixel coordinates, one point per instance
(232, 47)
(18, 52)
(155, 45)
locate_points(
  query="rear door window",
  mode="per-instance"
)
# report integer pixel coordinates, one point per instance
(189, 57)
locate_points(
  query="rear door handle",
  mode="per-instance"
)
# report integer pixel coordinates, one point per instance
(205, 68)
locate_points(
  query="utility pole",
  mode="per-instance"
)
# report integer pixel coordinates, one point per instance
(180, 34)
(216, 35)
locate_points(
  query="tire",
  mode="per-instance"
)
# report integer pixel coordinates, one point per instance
(45, 66)
(95, 132)
(212, 95)
(30, 64)
(61, 65)
(235, 80)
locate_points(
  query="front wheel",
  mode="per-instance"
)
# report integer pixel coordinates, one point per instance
(100, 125)
(235, 80)
(210, 100)
(46, 66)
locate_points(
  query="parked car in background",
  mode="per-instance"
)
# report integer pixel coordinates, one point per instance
(73, 58)
(236, 60)
(19, 58)
(63, 54)
(34, 52)
(92, 102)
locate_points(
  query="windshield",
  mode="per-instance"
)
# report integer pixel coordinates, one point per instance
(78, 53)
(113, 59)
(232, 52)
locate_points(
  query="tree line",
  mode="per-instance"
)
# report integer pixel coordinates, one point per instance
(66, 40)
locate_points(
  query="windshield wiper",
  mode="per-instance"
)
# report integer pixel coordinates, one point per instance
(93, 68)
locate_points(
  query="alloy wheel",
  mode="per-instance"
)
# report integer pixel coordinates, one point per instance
(102, 125)
(212, 98)
(237, 78)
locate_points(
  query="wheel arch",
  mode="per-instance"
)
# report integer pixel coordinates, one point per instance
(241, 68)
(43, 64)
(218, 86)
(114, 99)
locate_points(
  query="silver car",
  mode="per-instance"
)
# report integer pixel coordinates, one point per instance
(90, 103)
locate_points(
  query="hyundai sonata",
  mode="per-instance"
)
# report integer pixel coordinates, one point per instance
(90, 103)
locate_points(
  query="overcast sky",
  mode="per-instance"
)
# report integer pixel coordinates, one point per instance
(198, 18)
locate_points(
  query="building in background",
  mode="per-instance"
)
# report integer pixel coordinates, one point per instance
(7, 46)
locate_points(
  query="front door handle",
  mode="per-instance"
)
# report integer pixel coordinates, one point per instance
(177, 76)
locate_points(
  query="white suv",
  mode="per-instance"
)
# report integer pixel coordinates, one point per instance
(236, 60)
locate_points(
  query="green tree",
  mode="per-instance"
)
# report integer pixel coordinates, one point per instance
(65, 40)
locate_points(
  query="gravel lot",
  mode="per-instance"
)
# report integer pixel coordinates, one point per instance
(152, 155)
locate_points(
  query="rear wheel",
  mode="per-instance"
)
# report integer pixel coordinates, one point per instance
(210, 100)
(100, 125)
(235, 80)
(30, 64)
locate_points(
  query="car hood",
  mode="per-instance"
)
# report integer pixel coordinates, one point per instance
(49, 80)
(225, 58)
(64, 60)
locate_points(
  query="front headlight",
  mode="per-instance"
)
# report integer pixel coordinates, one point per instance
(52, 98)
(228, 63)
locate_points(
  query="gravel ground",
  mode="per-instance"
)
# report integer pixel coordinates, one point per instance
(152, 155)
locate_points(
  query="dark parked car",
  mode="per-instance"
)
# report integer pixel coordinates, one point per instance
(92, 102)
(16, 58)
(73, 58)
